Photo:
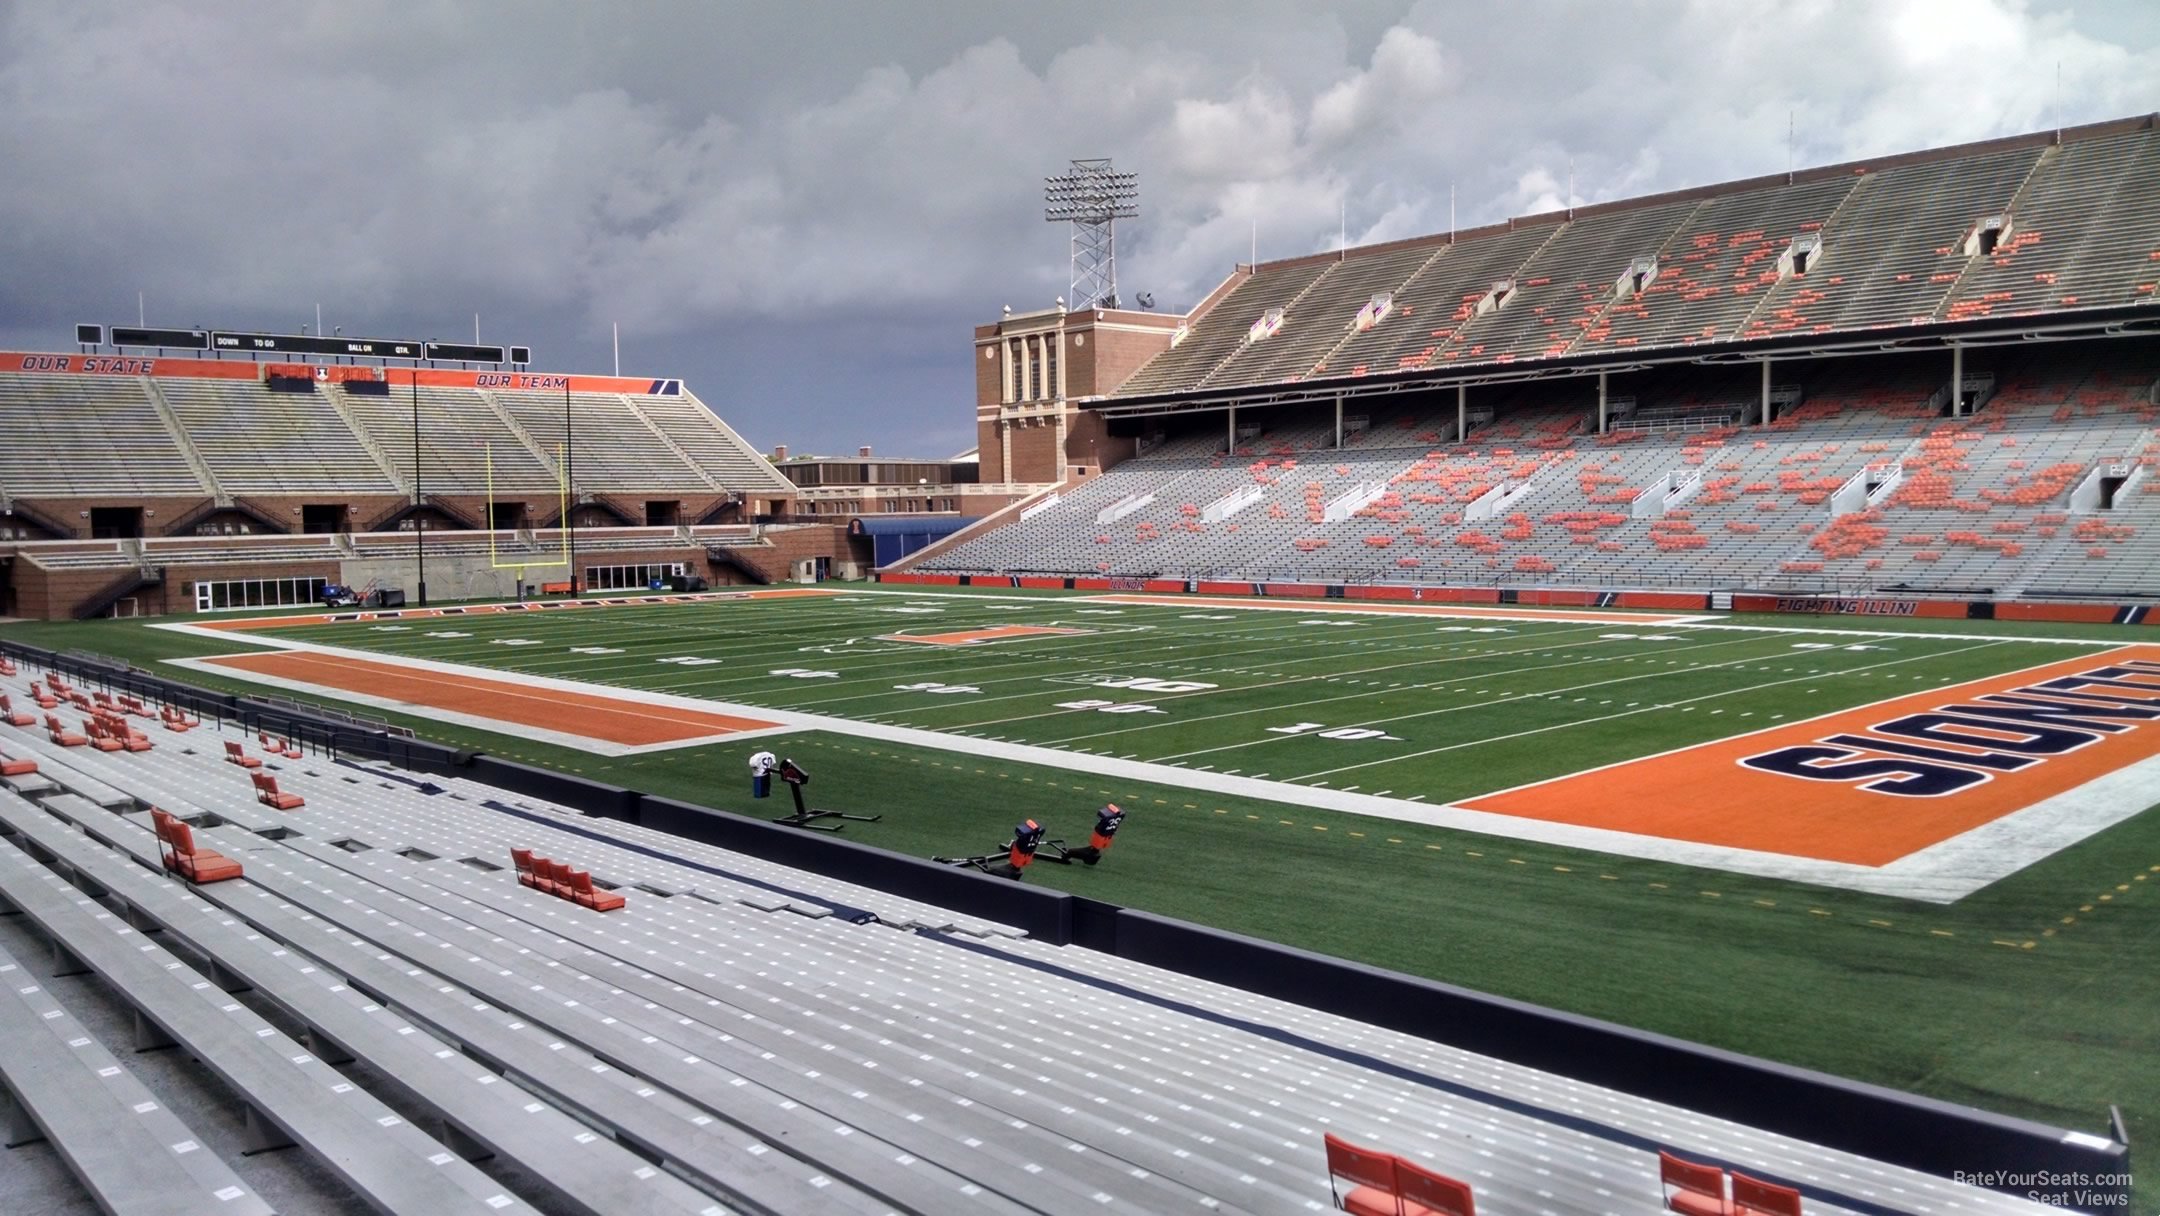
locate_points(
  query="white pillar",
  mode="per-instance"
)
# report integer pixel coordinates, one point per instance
(1764, 417)
(1233, 431)
(1338, 422)
(1957, 380)
(1601, 378)
(1006, 356)
(1462, 413)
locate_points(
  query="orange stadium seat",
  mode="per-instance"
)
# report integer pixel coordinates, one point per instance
(1754, 1197)
(266, 792)
(1691, 1188)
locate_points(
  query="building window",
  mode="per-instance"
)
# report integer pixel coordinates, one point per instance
(1050, 365)
(630, 578)
(227, 595)
(1012, 358)
(1035, 371)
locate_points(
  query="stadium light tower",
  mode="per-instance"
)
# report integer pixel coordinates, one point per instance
(1092, 197)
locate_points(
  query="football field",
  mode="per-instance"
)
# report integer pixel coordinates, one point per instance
(1554, 806)
(1449, 716)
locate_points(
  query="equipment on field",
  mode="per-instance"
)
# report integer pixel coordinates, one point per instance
(1008, 859)
(762, 767)
(1029, 841)
(1107, 821)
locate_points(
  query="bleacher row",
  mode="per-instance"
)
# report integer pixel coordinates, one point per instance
(133, 436)
(1905, 244)
(380, 987)
(1978, 502)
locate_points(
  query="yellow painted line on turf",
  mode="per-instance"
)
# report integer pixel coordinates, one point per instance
(1474, 853)
(1562, 870)
(1609, 877)
(1819, 912)
(1358, 835)
(1711, 894)
(1657, 886)
(1436, 848)
(1765, 903)
(1394, 840)
(1947, 933)
(1880, 923)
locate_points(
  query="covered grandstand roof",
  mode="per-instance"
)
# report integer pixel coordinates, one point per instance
(2060, 228)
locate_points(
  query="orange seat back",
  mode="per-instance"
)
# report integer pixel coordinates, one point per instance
(522, 859)
(1349, 1164)
(1690, 1176)
(1437, 1192)
(1754, 1197)
(180, 837)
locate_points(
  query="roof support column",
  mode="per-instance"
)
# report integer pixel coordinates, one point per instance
(1764, 418)
(1957, 380)
(1602, 377)
(1462, 413)
(1338, 422)
(1232, 449)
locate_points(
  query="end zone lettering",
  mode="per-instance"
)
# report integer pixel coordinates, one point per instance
(1850, 607)
(520, 380)
(1961, 745)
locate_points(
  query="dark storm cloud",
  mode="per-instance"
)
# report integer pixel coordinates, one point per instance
(803, 208)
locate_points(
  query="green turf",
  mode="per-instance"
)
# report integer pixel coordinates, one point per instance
(2031, 997)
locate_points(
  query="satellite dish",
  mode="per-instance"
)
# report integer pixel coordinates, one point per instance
(1147, 299)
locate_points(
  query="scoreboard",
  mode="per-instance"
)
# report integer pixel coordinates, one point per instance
(222, 341)
(316, 344)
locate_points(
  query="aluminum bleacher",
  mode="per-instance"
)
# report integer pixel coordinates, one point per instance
(2083, 233)
(78, 436)
(261, 442)
(730, 1042)
(1226, 328)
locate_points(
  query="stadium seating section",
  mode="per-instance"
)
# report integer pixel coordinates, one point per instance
(74, 436)
(1866, 483)
(2076, 225)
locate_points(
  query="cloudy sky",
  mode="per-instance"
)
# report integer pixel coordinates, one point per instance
(803, 207)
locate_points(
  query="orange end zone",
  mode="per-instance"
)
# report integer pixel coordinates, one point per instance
(975, 637)
(1563, 616)
(1707, 795)
(609, 719)
(254, 623)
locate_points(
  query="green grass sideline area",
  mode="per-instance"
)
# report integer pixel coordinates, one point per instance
(2032, 997)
